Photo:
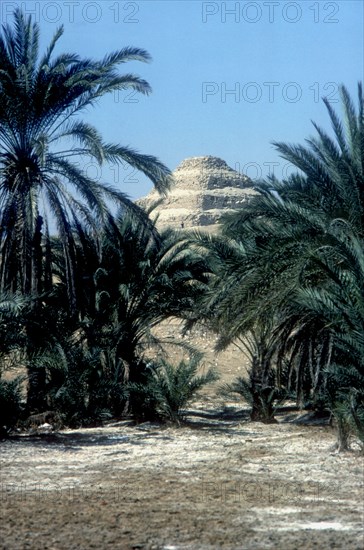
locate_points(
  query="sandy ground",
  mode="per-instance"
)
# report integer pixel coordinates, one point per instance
(219, 481)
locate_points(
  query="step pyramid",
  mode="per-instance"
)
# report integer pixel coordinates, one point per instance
(204, 189)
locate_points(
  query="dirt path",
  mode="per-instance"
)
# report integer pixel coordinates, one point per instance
(215, 483)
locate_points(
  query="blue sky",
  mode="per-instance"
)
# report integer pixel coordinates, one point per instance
(228, 78)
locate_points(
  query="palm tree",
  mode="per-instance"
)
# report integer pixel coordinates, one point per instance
(140, 279)
(289, 224)
(41, 139)
(296, 249)
(145, 277)
(220, 308)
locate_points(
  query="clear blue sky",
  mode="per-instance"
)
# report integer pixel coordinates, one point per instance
(228, 78)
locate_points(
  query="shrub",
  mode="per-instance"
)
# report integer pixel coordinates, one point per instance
(263, 399)
(10, 404)
(168, 389)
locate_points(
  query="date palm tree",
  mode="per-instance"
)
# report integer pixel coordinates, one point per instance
(43, 144)
(297, 249)
(142, 278)
(145, 277)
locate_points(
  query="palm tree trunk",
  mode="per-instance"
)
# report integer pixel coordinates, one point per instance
(262, 401)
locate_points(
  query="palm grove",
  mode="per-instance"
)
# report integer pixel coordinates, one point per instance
(82, 287)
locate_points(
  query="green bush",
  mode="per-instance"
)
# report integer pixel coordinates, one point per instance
(168, 389)
(263, 399)
(86, 396)
(10, 404)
